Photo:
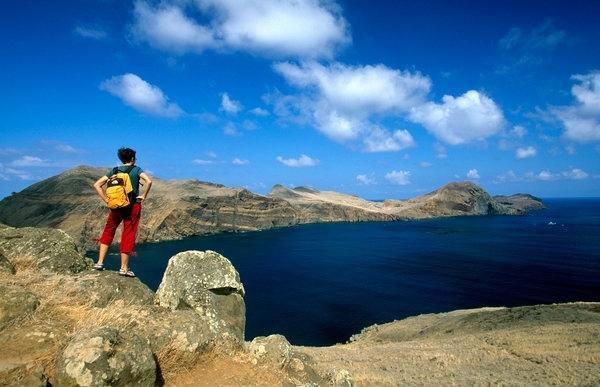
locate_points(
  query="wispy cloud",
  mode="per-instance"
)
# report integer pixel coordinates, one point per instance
(61, 147)
(302, 161)
(89, 32)
(521, 48)
(258, 111)
(230, 130)
(30, 161)
(203, 162)
(141, 95)
(229, 105)
(238, 161)
(8, 173)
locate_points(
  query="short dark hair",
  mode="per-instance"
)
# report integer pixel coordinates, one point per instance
(126, 154)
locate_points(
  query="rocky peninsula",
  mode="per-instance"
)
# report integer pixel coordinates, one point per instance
(181, 208)
(63, 324)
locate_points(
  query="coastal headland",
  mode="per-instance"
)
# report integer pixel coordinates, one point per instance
(182, 208)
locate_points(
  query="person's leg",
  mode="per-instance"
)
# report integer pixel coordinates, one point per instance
(102, 253)
(113, 221)
(124, 261)
(130, 227)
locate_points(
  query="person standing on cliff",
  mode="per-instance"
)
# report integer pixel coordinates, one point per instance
(129, 215)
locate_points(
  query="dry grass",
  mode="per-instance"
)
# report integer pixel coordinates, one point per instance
(24, 263)
(173, 360)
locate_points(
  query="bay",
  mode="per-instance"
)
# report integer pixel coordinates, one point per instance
(319, 284)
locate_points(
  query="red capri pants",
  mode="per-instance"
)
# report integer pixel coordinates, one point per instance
(130, 217)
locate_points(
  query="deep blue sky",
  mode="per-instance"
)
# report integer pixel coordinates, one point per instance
(380, 99)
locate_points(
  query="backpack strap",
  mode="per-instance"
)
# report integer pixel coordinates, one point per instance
(115, 170)
(128, 170)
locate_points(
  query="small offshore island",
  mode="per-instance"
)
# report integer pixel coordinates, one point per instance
(62, 323)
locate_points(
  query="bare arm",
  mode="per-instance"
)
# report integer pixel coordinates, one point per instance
(98, 187)
(147, 185)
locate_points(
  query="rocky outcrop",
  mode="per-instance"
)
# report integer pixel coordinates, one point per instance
(100, 289)
(106, 357)
(44, 249)
(518, 204)
(208, 283)
(177, 209)
(105, 329)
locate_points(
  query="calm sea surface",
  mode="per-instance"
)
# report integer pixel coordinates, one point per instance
(319, 284)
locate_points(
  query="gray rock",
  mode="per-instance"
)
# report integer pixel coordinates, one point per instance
(99, 288)
(106, 357)
(6, 266)
(272, 349)
(207, 282)
(43, 248)
(15, 302)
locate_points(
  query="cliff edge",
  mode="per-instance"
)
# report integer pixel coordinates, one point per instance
(62, 323)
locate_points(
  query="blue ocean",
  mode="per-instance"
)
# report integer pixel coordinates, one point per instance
(319, 284)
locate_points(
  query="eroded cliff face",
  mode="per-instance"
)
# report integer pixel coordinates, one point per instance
(177, 209)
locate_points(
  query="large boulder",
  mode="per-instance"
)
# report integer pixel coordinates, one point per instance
(106, 357)
(272, 349)
(207, 282)
(45, 249)
(15, 302)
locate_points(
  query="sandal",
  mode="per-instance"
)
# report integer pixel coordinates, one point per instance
(126, 273)
(99, 266)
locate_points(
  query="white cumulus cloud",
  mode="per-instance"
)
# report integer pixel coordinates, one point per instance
(229, 105)
(141, 95)
(359, 89)
(575, 174)
(340, 100)
(398, 177)
(166, 27)
(381, 140)
(302, 161)
(581, 120)
(296, 28)
(523, 153)
(473, 174)
(457, 120)
(365, 180)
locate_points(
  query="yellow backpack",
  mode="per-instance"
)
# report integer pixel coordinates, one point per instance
(119, 189)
